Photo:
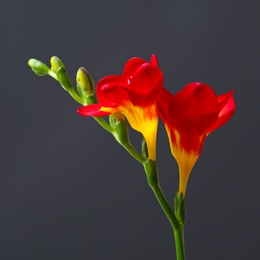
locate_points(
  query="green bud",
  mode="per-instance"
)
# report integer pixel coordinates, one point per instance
(91, 99)
(121, 131)
(56, 63)
(86, 82)
(87, 100)
(38, 67)
(63, 78)
(80, 90)
(180, 209)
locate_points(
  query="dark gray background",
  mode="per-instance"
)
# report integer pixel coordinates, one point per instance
(67, 189)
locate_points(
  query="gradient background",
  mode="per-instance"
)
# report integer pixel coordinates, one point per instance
(67, 189)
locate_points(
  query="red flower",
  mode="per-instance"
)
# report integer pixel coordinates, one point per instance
(189, 116)
(134, 94)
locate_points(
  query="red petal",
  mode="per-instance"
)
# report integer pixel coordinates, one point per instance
(154, 60)
(195, 107)
(113, 89)
(227, 108)
(223, 99)
(94, 110)
(114, 80)
(145, 85)
(193, 110)
(163, 101)
(132, 65)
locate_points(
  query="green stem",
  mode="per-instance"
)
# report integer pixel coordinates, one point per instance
(133, 152)
(75, 96)
(71, 91)
(153, 180)
(179, 244)
(81, 101)
(102, 122)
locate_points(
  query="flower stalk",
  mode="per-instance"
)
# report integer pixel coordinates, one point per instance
(176, 222)
(137, 98)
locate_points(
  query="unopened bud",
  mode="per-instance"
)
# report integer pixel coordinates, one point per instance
(38, 67)
(56, 64)
(121, 132)
(85, 81)
(63, 78)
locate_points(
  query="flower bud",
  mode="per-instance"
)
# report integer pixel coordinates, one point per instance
(87, 100)
(38, 67)
(85, 82)
(56, 63)
(63, 78)
(122, 131)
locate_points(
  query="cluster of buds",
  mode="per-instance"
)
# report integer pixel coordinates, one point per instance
(85, 84)
(84, 93)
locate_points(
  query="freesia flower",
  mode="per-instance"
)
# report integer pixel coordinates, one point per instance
(189, 116)
(133, 94)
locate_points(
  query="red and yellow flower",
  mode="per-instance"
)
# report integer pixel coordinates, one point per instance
(133, 94)
(189, 116)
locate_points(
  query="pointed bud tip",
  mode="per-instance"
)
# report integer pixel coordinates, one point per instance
(56, 63)
(85, 81)
(81, 73)
(154, 60)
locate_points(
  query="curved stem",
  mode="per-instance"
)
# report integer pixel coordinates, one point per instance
(177, 226)
(165, 206)
(153, 180)
(71, 91)
(102, 122)
(133, 152)
(75, 96)
(81, 101)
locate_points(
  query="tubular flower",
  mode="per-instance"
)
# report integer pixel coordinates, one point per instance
(189, 116)
(133, 94)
